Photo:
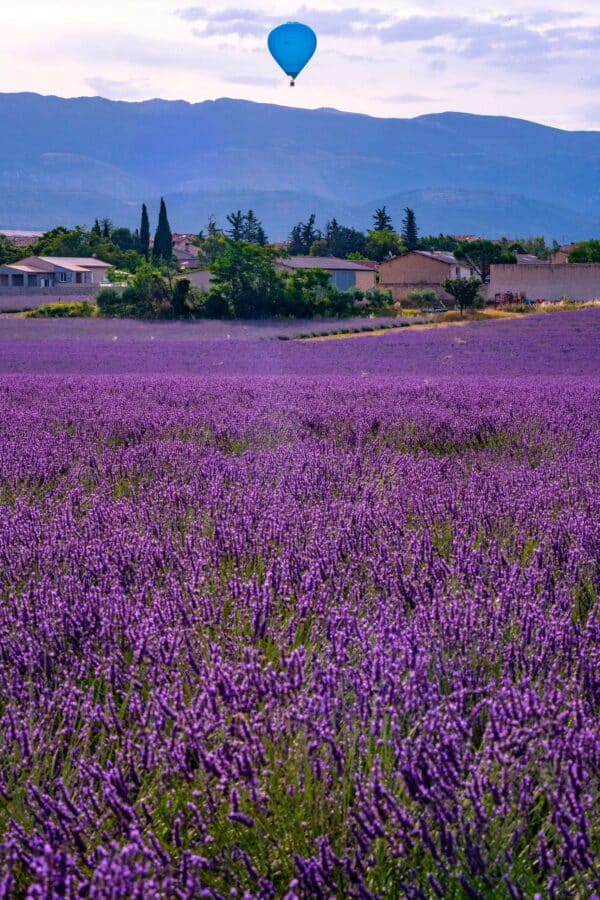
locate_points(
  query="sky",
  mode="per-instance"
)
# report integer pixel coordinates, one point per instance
(526, 59)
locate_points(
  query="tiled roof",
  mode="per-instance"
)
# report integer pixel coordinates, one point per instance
(329, 263)
(443, 256)
(76, 262)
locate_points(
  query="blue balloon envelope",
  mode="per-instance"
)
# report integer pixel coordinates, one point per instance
(292, 45)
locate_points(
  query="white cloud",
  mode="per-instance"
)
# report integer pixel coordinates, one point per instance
(531, 60)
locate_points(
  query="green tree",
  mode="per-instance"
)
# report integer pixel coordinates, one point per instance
(145, 233)
(320, 248)
(96, 229)
(342, 240)
(253, 231)
(303, 236)
(106, 228)
(8, 252)
(382, 245)
(245, 281)
(180, 298)
(124, 239)
(586, 252)
(382, 221)
(148, 294)
(305, 293)
(481, 255)
(110, 303)
(466, 292)
(79, 242)
(237, 222)
(437, 242)
(162, 251)
(410, 232)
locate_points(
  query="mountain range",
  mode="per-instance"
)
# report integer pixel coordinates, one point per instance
(69, 161)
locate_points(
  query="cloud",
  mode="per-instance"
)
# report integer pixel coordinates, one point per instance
(592, 81)
(411, 98)
(255, 80)
(512, 42)
(591, 113)
(117, 90)
(244, 22)
(520, 41)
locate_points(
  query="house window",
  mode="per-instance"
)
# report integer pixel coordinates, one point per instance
(62, 276)
(344, 280)
(18, 280)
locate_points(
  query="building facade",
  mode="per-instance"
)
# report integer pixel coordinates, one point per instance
(420, 270)
(345, 274)
(47, 272)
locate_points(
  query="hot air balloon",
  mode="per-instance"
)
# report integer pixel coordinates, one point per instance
(291, 46)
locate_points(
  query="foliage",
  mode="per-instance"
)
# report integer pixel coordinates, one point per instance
(466, 292)
(383, 244)
(422, 296)
(345, 242)
(78, 309)
(481, 255)
(320, 248)
(536, 246)
(8, 252)
(586, 252)
(305, 293)
(302, 237)
(145, 233)
(410, 232)
(245, 281)
(162, 249)
(125, 239)
(382, 221)
(438, 242)
(110, 303)
(78, 241)
(147, 296)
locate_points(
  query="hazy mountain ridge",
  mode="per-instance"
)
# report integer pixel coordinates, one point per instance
(71, 160)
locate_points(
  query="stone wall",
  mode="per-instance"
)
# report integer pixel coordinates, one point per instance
(577, 281)
(63, 290)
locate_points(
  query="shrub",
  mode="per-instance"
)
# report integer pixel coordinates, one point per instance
(112, 302)
(423, 297)
(79, 309)
(379, 297)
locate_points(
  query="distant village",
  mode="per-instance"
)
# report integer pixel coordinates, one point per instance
(412, 271)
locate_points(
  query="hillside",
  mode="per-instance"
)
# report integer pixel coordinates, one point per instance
(72, 160)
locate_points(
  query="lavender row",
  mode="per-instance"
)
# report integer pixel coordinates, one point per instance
(299, 638)
(564, 343)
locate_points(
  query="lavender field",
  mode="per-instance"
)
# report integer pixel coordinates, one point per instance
(297, 620)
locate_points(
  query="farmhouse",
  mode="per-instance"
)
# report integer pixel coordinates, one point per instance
(545, 281)
(185, 250)
(21, 238)
(420, 269)
(345, 273)
(53, 271)
(562, 254)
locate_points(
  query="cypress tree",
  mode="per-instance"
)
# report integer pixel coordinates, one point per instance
(382, 221)
(96, 228)
(163, 239)
(410, 232)
(145, 232)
